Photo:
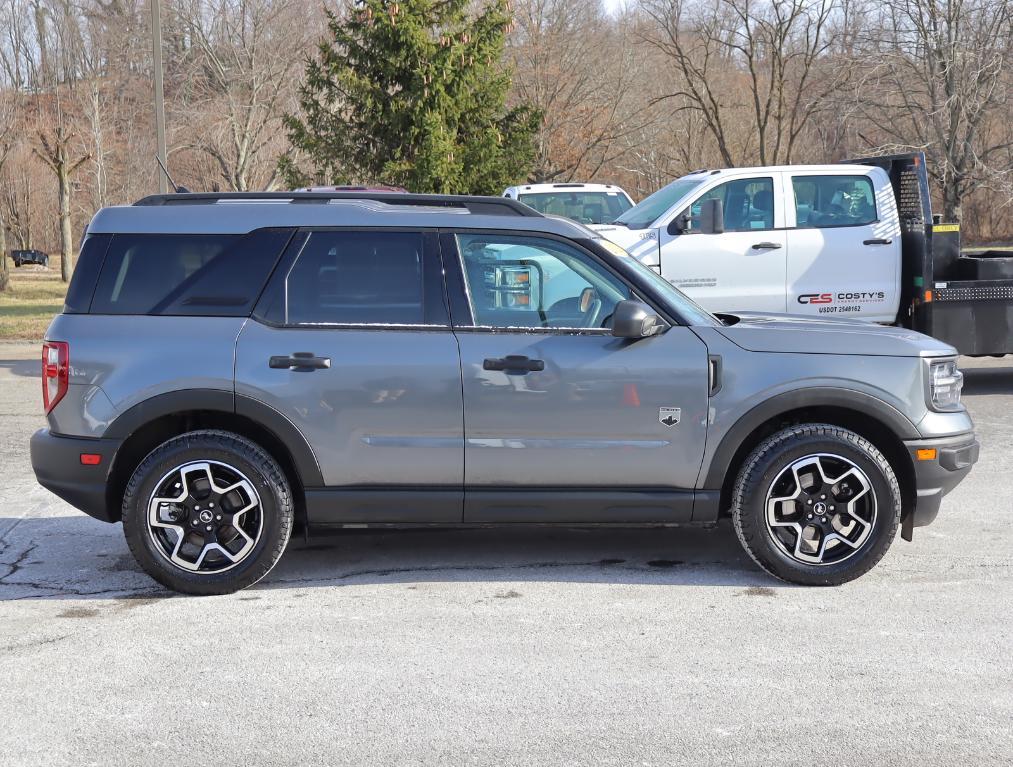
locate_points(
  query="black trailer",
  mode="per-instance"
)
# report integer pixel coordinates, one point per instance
(964, 299)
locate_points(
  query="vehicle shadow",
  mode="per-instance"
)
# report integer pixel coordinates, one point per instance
(29, 368)
(76, 557)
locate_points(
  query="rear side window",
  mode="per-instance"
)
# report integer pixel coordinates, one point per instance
(353, 278)
(215, 275)
(86, 271)
(826, 201)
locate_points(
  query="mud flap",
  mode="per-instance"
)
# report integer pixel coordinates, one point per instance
(907, 526)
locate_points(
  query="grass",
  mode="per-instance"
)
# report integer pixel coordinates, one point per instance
(30, 302)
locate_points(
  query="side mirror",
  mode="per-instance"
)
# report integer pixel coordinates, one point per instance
(633, 319)
(712, 217)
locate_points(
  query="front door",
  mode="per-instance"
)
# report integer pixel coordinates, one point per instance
(741, 269)
(553, 403)
(844, 254)
(351, 343)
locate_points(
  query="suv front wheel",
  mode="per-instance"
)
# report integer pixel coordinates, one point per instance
(816, 504)
(207, 512)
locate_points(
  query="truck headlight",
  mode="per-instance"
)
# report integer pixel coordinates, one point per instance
(945, 383)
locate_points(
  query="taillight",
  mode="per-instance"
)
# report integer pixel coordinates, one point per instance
(55, 372)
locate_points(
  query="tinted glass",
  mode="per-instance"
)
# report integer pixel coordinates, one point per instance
(354, 278)
(86, 271)
(536, 283)
(825, 201)
(585, 207)
(215, 275)
(748, 204)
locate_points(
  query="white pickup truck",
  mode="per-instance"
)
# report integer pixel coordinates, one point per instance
(803, 239)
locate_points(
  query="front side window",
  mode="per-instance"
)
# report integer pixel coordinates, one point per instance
(748, 204)
(353, 278)
(585, 207)
(187, 274)
(826, 201)
(534, 282)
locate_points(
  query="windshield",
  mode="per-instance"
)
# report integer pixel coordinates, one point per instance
(687, 308)
(647, 211)
(585, 207)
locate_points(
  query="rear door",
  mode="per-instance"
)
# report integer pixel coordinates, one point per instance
(844, 246)
(562, 419)
(351, 343)
(742, 268)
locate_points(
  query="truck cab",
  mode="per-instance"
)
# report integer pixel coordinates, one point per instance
(811, 240)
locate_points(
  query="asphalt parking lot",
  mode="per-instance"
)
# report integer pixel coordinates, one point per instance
(528, 647)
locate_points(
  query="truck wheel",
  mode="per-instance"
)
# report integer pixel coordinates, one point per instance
(208, 512)
(816, 505)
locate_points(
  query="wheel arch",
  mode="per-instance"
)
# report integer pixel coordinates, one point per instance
(880, 423)
(150, 423)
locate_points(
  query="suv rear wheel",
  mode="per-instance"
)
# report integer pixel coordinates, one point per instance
(208, 512)
(816, 504)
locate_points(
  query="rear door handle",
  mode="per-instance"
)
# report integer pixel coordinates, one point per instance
(300, 361)
(877, 242)
(514, 363)
(766, 246)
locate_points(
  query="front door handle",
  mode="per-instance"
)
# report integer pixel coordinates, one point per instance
(513, 363)
(300, 361)
(878, 241)
(766, 246)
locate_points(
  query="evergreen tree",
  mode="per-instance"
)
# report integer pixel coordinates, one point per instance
(412, 93)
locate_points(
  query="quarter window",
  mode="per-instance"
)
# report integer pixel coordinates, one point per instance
(826, 201)
(187, 274)
(533, 282)
(748, 204)
(353, 278)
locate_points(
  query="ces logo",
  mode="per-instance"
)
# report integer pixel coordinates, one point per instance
(816, 298)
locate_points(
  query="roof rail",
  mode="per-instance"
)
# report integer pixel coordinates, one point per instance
(489, 206)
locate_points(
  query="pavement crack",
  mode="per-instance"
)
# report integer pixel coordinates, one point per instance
(15, 566)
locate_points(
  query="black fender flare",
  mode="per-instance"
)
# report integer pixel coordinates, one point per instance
(824, 396)
(228, 402)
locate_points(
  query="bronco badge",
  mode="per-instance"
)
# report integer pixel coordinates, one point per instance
(669, 415)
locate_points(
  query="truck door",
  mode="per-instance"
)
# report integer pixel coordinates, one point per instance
(742, 268)
(844, 246)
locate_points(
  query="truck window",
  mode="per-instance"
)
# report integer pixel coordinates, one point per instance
(827, 201)
(748, 204)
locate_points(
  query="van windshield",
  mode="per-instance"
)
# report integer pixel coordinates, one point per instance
(648, 210)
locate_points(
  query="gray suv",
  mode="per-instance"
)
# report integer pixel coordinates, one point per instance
(228, 367)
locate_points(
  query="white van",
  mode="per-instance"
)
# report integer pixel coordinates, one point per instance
(803, 239)
(586, 203)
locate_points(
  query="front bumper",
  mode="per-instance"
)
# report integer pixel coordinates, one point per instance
(57, 463)
(935, 477)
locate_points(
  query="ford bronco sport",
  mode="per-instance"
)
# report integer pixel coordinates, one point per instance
(229, 366)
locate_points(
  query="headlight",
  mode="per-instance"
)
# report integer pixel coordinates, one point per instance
(945, 383)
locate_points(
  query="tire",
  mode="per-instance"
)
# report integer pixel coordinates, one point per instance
(224, 497)
(782, 495)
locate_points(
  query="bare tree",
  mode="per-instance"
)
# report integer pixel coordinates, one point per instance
(242, 67)
(8, 129)
(767, 51)
(939, 77)
(56, 149)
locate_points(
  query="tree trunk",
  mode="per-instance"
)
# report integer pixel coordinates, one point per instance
(5, 274)
(66, 235)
